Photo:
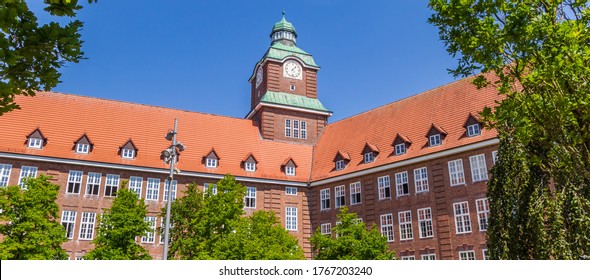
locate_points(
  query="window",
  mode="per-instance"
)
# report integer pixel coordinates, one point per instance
(326, 229)
(295, 129)
(166, 186)
(483, 212)
(135, 184)
(290, 190)
(150, 235)
(68, 220)
(36, 143)
(87, 226)
(250, 198)
(401, 183)
(292, 87)
(153, 189)
(355, 193)
(290, 170)
(74, 181)
(369, 157)
(479, 171)
(212, 186)
(82, 148)
(250, 166)
(93, 183)
(405, 225)
(456, 172)
(467, 255)
(128, 153)
(339, 194)
(495, 156)
(428, 257)
(421, 179)
(325, 199)
(291, 218)
(484, 253)
(384, 188)
(303, 130)
(387, 227)
(5, 174)
(473, 130)
(434, 140)
(408, 258)
(112, 184)
(288, 130)
(211, 162)
(26, 172)
(400, 149)
(425, 222)
(340, 164)
(462, 221)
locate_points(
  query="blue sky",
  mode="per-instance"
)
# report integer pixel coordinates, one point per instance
(198, 55)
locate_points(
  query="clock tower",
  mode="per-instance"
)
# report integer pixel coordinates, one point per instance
(284, 101)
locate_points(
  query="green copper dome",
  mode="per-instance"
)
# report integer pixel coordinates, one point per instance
(283, 25)
(283, 31)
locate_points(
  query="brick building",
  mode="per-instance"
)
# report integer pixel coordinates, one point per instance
(416, 168)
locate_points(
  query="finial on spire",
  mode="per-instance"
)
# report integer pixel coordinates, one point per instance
(283, 12)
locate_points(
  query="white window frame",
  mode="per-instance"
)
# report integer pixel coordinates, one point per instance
(26, 172)
(421, 179)
(405, 225)
(291, 190)
(87, 226)
(128, 153)
(174, 188)
(402, 185)
(387, 230)
(150, 236)
(425, 222)
(468, 255)
(339, 196)
(482, 207)
(473, 130)
(495, 156)
(291, 218)
(295, 128)
(456, 173)
(250, 166)
(206, 187)
(325, 199)
(384, 185)
(479, 170)
(35, 143)
(428, 257)
(136, 185)
(290, 170)
(326, 229)
(408, 258)
(462, 219)
(339, 165)
(356, 193)
(303, 130)
(111, 185)
(288, 128)
(5, 170)
(434, 140)
(369, 157)
(153, 189)
(211, 162)
(250, 198)
(82, 148)
(400, 149)
(93, 183)
(74, 182)
(484, 253)
(68, 220)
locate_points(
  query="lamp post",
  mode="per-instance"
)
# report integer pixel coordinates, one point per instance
(170, 155)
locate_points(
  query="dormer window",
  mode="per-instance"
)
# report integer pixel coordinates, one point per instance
(35, 143)
(36, 140)
(83, 145)
(434, 140)
(473, 130)
(370, 153)
(435, 135)
(340, 164)
(341, 160)
(369, 157)
(472, 126)
(211, 160)
(128, 150)
(250, 166)
(128, 153)
(289, 167)
(401, 144)
(290, 170)
(249, 163)
(400, 149)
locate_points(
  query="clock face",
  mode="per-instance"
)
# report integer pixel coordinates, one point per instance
(292, 70)
(258, 76)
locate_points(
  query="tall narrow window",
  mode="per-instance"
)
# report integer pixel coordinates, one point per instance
(387, 227)
(326, 229)
(26, 172)
(74, 182)
(291, 218)
(384, 187)
(250, 198)
(135, 184)
(167, 186)
(68, 220)
(150, 235)
(112, 185)
(467, 255)
(425, 222)
(324, 199)
(483, 212)
(355, 193)
(303, 130)
(462, 221)
(495, 156)
(288, 128)
(421, 179)
(87, 226)
(401, 183)
(456, 172)
(153, 189)
(405, 225)
(5, 174)
(93, 183)
(339, 196)
(479, 171)
(295, 129)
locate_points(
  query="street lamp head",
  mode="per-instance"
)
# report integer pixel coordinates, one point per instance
(169, 135)
(181, 147)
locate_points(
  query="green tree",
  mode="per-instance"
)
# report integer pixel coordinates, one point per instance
(353, 242)
(119, 228)
(32, 54)
(537, 55)
(29, 222)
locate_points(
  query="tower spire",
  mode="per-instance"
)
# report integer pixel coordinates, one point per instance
(283, 32)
